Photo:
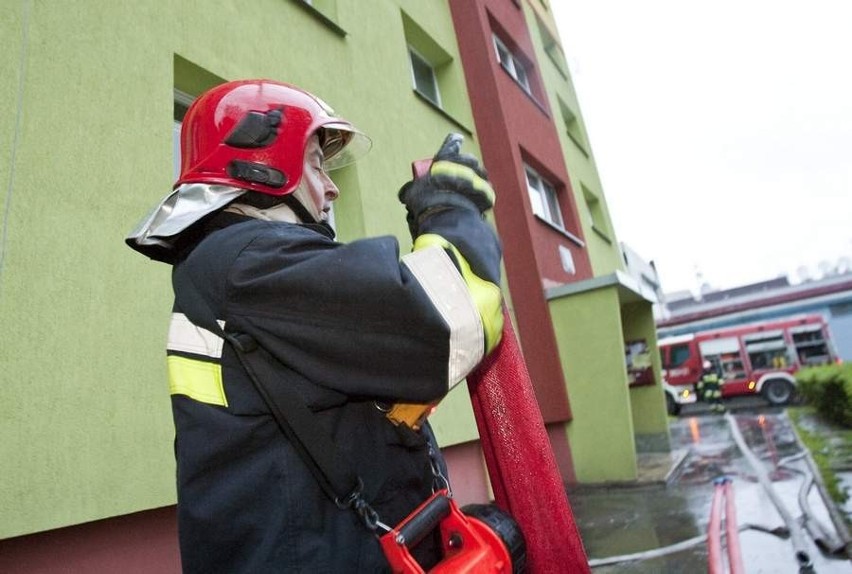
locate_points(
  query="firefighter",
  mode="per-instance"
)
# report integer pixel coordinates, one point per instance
(709, 388)
(350, 327)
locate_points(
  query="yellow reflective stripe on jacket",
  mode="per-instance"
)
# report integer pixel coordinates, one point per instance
(486, 295)
(197, 378)
(447, 291)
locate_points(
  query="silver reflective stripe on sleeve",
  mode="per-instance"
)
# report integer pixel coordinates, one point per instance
(187, 337)
(198, 379)
(447, 290)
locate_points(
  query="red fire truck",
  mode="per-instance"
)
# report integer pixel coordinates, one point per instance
(758, 358)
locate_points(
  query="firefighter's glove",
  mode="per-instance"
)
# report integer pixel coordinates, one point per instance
(455, 180)
(461, 173)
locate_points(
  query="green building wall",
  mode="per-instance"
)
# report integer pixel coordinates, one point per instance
(87, 126)
(588, 330)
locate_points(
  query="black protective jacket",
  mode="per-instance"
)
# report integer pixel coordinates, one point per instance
(346, 326)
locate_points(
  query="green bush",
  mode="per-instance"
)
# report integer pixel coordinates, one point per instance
(829, 390)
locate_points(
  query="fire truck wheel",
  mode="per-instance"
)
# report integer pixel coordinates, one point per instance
(777, 391)
(671, 406)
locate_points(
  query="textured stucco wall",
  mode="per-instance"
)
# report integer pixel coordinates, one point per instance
(86, 431)
(588, 329)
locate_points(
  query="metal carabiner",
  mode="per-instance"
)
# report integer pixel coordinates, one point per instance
(439, 479)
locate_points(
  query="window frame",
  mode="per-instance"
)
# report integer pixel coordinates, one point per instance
(414, 54)
(511, 63)
(546, 198)
(182, 101)
(675, 352)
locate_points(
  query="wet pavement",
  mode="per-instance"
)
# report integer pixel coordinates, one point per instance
(674, 505)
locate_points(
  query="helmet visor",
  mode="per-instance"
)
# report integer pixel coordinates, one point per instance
(342, 145)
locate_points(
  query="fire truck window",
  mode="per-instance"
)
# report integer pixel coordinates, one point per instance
(811, 346)
(679, 355)
(767, 350)
(725, 356)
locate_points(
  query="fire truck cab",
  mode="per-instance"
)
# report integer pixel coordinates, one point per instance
(758, 358)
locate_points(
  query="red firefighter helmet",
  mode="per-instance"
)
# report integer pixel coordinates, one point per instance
(252, 134)
(242, 137)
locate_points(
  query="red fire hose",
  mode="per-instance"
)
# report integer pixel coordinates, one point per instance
(520, 461)
(714, 533)
(723, 489)
(735, 557)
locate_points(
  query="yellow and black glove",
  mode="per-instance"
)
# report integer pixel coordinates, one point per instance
(454, 181)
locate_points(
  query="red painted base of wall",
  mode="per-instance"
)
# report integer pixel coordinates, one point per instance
(138, 543)
(562, 452)
(469, 476)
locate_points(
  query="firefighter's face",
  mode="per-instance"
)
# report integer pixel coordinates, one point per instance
(320, 188)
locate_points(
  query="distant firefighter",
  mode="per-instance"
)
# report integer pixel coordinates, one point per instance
(709, 388)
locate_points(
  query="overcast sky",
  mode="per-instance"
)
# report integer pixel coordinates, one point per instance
(722, 131)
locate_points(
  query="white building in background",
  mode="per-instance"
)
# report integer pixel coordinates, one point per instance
(645, 275)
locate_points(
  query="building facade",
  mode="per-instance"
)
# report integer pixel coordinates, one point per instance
(580, 317)
(94, 97)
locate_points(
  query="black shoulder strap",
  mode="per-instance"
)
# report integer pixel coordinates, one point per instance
(333, 473)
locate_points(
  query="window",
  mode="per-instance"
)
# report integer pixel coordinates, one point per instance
(573, 128)
(679, 355)
(423, 75)
(435, 77)
(725, 356)
(181, 105)
(767, 350)
(190, 81)
(552, 48)
(596, 212)
(811, 346)
(545, 203)
(512, 64)
(325, 11)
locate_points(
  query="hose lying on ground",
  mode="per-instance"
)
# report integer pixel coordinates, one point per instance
(797, 538)
(780, 532)
(836, 519)
(821, 535)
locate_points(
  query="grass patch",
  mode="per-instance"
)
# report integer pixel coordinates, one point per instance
(820, 450)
